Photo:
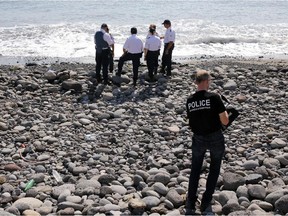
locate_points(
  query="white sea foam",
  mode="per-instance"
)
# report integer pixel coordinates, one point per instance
(218, 28)
(74, 41)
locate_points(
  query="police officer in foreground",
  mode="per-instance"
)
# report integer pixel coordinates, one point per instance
(169, 40)
(151, 53)
(206, 113)
(133, 50)
(103, 42)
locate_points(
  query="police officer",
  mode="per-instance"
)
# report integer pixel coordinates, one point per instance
(169, 40)
(206, 113)
(151, 53)
(111, 54)
(102, 42)
(133, 50)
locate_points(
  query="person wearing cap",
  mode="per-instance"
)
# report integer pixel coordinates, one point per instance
(169, 40)
(206, 113)
(102, 41)
(132, 50)
(151, 52)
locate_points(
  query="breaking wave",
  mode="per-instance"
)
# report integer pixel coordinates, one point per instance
(221, 40)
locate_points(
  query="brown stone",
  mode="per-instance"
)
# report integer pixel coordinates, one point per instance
(11, 167)
(241, 98)
(2, 179)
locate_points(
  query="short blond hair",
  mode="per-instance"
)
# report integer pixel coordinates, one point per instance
(202, 75)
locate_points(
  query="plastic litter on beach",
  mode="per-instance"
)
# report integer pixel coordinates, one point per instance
(29, 185)
(57, 176)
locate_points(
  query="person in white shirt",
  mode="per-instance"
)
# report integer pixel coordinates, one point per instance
(111, 55)
(151, 53)
(169, 40)
(102, 42)
(133, 50)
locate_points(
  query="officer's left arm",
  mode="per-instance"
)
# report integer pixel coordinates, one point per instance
(171, 41)
(145, 53)
(112, 46)
(224, 118)
(223, 115)
(95, 40)
(170, 44)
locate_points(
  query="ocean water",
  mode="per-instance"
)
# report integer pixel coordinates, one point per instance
(220, 28)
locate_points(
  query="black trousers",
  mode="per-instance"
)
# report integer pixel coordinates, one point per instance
(152, 62)
(167, 59)
(102, 61)
(111, 62)
(135, 61)
(200, 144)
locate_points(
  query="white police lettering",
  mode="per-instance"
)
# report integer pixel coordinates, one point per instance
(199, 105)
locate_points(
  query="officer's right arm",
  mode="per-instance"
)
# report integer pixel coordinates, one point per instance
(108, 39)
(95, 40)
(224, 118)
(126, 46)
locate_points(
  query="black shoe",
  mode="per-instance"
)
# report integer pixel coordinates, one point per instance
(189, 211)
(204, 206)
(99, 80)
(107, 83)
(151, 79)
(190, 207)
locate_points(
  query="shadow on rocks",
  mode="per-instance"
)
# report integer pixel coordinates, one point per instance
(127, 93)
(143, 91)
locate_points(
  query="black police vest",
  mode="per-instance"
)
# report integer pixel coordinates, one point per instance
(100, 42)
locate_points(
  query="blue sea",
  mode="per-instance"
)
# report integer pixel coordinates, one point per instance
(218, 28)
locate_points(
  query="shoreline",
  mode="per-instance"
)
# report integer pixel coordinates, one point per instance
(24, 60)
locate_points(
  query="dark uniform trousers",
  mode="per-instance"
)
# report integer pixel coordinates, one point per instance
(135, 61)
(102, 61)
(167, 59)
(200, 144)
(111, 61)
(152, 62)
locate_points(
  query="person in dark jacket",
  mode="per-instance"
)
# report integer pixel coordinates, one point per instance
(206, 113)
(102, 41)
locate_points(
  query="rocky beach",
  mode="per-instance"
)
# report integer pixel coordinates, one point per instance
(71, 147)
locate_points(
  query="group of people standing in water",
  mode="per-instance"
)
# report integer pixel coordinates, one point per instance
(133, 50)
